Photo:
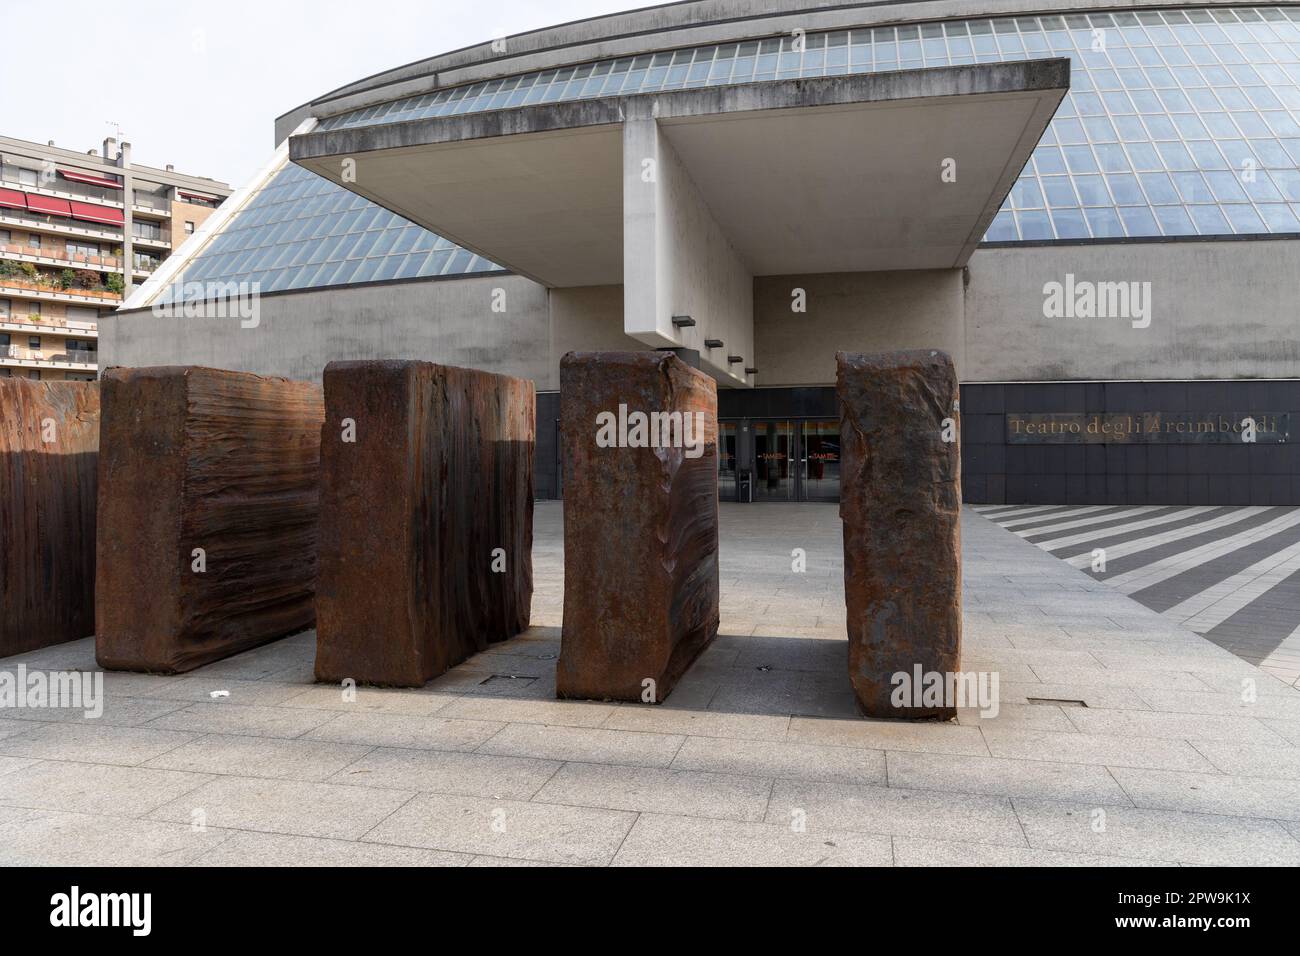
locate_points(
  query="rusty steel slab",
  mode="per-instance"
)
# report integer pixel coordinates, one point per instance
(49, 446)
(640, 523)
(426, 518)
(900, 502)
(208, 500)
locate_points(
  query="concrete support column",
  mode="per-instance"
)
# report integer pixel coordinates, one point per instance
(128, 221)
(677, 261)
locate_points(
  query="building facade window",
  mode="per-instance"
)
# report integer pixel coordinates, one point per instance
(34, 343)
(5, 308)
(82, 249)
(189, 228)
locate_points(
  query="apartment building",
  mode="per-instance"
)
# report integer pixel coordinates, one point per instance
(78, 230)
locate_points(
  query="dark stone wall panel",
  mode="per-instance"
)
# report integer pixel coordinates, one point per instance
(900, 504)
(640, 530)
(439, 477)
(201, 458)
(999, 471)
(47, 512)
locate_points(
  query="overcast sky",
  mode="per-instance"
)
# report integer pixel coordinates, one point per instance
(199, 84)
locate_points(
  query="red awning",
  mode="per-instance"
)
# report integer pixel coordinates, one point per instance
(90, 179)
(49, 205)
(13, 199)
(92, 213)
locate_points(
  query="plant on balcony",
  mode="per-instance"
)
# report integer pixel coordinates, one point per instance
(30, 271)
(10, 268)
(116, 284)
(66, 278)
(87, 279)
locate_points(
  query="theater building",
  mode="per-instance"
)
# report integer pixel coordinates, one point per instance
(1094, 207)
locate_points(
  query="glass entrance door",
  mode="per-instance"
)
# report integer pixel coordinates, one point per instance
(779, 460)
(820, 459)
(774, 461)
(728, 461)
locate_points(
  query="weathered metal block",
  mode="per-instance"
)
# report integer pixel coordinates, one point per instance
(426, 518)
(49, 443)
(208, 499)
(900, 503)
(640, 523)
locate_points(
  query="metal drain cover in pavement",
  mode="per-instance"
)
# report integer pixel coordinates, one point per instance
(498, 678)
(1051, 700)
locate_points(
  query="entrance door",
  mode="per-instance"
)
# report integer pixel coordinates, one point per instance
(779, 459)
(820, 459)
(728, 449)
(774, 461)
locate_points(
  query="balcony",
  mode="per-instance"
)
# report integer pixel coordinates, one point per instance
(58, 225)
(64, 189)
(163, 240)
(15, 356)
(46, 326)
(51, 291)
(79, 357)
(144, 265)
(151, 204)
(59, 257)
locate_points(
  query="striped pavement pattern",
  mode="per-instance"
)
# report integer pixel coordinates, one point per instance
(1231, 574)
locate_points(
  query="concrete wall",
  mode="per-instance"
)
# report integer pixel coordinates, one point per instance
(585, 319)
(441, 321)
(856, 312)
(1219, 310)
(677, 260)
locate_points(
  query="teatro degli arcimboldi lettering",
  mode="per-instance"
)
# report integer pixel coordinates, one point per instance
(1146, 426)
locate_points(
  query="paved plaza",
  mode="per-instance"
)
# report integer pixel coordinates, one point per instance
(1230, 574)
(1123, 737)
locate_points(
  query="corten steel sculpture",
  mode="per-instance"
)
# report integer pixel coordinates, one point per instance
(900, 504)
(49, 443)
(426, 518)
(208, 497)
(640, 523)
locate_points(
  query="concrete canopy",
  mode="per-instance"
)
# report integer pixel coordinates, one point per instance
(835, 174)
(684, 197)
